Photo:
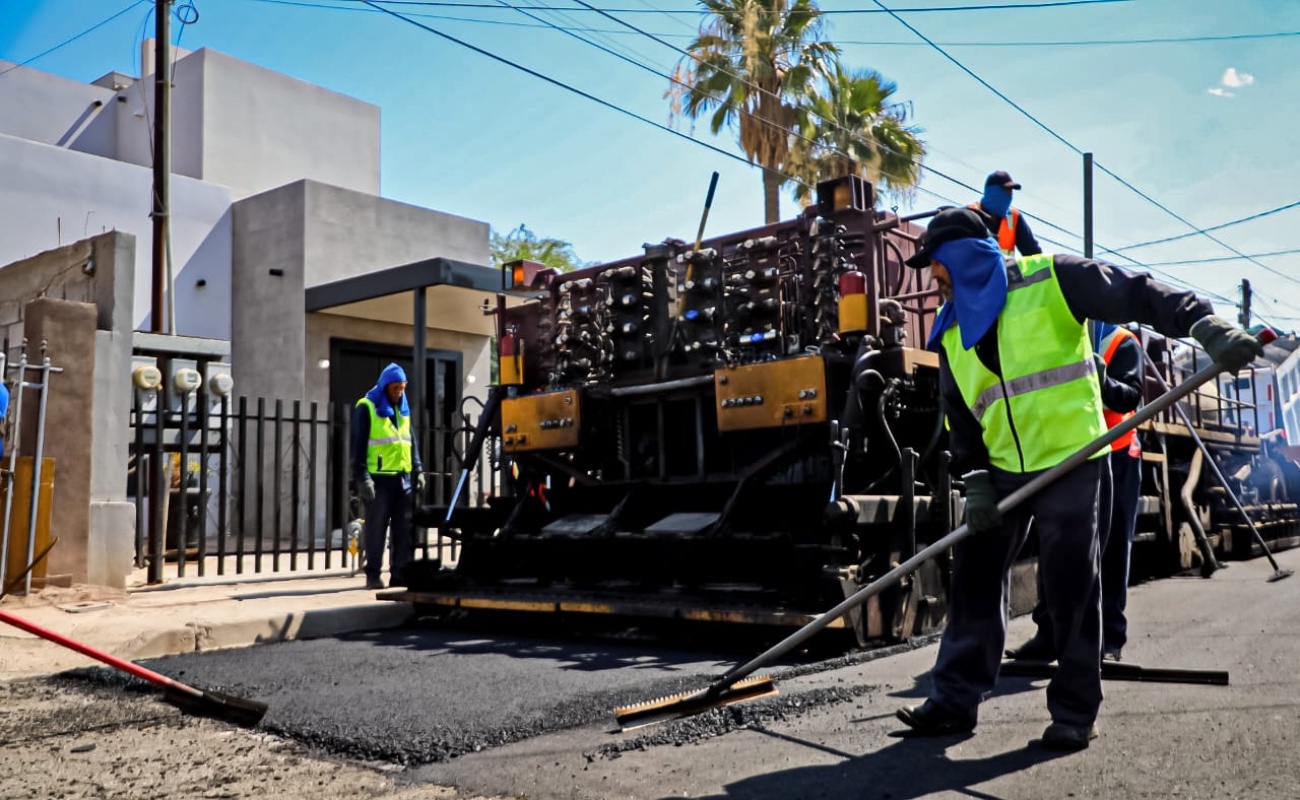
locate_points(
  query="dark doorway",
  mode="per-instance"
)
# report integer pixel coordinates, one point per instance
(355, 366)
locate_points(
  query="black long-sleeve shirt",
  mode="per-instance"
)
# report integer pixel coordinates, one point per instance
(360, 445)
(1026, 243)
(1121, 384)
(1092, 290)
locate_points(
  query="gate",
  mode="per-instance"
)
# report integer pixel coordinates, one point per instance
(252, 486)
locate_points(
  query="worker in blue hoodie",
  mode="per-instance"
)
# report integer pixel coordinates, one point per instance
(384, 459)
(1003, 220)
(1019, 388)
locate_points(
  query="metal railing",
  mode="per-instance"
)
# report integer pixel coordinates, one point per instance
(256, 485)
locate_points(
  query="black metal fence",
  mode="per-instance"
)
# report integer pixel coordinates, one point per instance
(250, 485)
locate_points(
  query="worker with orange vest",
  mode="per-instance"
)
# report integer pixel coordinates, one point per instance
(1005, 223)
(1120, 356)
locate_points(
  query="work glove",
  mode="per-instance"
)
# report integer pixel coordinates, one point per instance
(419, 482)
(1230, 346)
(981, 502)
(367, 489)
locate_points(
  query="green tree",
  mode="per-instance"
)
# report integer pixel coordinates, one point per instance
(853, 127)
(753, 65)
(521, 243)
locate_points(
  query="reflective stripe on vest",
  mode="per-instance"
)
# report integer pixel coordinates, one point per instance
(1006, 230)
(1047, 403)
(1108, 346)
(388, 448)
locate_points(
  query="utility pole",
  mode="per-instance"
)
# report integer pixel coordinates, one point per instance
(162, 151)
(1087, 205)
(1244, 316)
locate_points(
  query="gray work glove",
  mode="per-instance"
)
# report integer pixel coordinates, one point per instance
(981, 502)
(1231, 347)
(419, 482)
(367, 489)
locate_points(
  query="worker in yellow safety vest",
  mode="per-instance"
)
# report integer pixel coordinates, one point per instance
(386, 466)
(1005, 222)
(1018, 384)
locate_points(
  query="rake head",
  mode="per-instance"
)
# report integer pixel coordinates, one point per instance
(687, 704)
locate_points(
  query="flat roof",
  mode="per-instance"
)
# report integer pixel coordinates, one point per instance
(408, 277)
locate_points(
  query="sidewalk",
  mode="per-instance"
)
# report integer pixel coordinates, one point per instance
(188, 615)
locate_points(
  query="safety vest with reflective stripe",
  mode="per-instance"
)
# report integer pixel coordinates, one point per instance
(1046, 404)
(388, 450)
(1108, 346)
(1006, 231)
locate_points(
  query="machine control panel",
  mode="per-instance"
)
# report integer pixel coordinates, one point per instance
(546, 421)
(771, 394)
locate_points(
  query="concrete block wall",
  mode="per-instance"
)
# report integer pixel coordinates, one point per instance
(78, 298)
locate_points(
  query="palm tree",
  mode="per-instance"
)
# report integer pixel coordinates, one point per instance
(752, 66)
(853, 127)
(523, 244)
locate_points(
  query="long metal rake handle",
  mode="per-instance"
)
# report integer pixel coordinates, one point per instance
(1006, 504)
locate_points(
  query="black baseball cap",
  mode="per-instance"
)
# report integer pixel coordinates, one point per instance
(1001, 178)
(948, 225)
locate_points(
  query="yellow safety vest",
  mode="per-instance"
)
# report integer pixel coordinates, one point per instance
(1046, 404)
(388, 450)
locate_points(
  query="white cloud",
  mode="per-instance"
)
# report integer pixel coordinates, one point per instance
(1235, 80)
(1232, 79)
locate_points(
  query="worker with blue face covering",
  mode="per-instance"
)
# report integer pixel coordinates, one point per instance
(1005, 222)
(4, 410)
(1019, 388)
(384, 459)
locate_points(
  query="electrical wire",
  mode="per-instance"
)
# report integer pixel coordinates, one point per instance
(561, 84)
(1218, 227)
(1099, 166)
(72, 39)
(1085, 42)
(921, 10)
(1221, 259)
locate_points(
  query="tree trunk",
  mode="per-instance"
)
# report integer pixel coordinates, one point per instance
(771, 196)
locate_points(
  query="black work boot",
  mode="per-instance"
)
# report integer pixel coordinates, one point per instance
(374, 583)
(932, 719)
(1060, 736)
(1038, 648)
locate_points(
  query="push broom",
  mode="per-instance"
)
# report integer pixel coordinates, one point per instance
(187, 698)
(736, 686)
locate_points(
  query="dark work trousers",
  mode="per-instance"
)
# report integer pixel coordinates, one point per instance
(390, 511)
(1118, 520)
(1126, 482)
(1065, 518)
(1105, 506)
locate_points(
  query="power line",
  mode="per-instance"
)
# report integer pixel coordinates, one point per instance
(1218, 227)
(565, 86)
(1084, 42)
(1077, 151)
(922, 10)
(1221, 259)
(72, 39)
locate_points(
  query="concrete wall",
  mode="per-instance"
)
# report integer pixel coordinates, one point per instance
(262, 129)
(79, 299)
(46, 188)
(350, 232)
(316, 234)
(57, 111)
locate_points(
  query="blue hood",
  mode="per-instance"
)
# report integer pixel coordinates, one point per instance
(979, 289)
(996, 201)
(391, 374)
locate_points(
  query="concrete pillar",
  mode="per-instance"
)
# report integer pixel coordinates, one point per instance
(69, 330)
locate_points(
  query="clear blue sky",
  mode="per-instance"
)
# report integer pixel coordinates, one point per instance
(1206, 128)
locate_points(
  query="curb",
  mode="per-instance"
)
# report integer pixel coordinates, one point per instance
(201, 636)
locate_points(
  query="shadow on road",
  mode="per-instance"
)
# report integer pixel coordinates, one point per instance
(911, 767)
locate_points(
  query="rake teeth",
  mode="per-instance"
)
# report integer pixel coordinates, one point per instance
(686, 704)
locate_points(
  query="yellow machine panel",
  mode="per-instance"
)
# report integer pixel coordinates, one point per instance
(771, 394)
(549, 421)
